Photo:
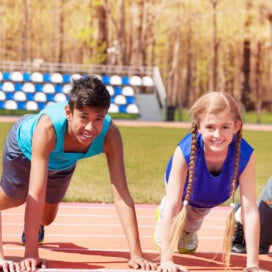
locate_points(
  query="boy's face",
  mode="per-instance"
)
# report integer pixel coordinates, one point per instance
(85, 124)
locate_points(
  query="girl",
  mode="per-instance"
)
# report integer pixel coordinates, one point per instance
(205, 170)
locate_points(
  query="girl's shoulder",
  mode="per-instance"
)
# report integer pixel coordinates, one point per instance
(246, 148)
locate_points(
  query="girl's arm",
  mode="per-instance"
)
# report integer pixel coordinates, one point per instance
(172, 207)
(43, 143)
(250, 214)
(124, 204)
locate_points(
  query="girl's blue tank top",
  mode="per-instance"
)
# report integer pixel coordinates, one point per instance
(208, 190)
(58, 159)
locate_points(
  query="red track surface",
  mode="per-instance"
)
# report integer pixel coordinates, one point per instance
(89, 237)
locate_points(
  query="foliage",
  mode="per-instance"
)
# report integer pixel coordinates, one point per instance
(146, 33)
(146, 152)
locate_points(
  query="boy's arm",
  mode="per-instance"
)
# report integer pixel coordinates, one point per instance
(124, 204)
(43, 143)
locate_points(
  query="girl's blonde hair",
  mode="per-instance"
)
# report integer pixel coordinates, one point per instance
(212, 102)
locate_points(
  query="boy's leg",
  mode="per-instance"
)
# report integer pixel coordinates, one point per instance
(49, 213)
(265, 210)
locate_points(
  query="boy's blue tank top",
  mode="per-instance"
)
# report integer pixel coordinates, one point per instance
(58, 159)
(209, 191)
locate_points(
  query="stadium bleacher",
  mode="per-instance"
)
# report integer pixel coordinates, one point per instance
(33, 91)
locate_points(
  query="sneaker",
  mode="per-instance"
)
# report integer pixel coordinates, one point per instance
(40, 235)
(238, 235)
(188, 243)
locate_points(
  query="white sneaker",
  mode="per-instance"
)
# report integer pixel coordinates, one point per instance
(188, 243)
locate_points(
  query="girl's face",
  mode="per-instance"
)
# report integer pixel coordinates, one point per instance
(217, 130)
(85, 124)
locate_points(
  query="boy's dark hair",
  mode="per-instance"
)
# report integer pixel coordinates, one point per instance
(89, 91)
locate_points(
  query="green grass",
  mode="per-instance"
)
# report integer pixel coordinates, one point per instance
(146, 152)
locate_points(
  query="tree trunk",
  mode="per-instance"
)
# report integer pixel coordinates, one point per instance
(25, 31)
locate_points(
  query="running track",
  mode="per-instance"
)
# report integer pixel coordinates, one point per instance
(88, 237)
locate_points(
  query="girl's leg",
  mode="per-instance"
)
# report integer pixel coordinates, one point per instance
(195, 217)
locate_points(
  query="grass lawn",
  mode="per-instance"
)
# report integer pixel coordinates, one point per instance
(146, 152)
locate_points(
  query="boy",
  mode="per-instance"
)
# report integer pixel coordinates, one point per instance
(40, 157)
(265, 210)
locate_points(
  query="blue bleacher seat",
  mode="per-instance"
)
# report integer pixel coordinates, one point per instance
(41, 105)
(131, 99)
(46, 77)
(29, 96)
(26, 77)
(2, 104)
(21, 105)
(50, 97)
(9, 95)
(117, 90)
(112, 100)
(66, 78)
(122, 108)
(58, 88)
(6, 76)
(18, 86)
(125, 80)
(38, 87)
(105, 79)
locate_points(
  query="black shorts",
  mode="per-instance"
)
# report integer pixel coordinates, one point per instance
(16, 172)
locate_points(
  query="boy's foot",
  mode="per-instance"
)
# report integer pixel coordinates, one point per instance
(188, 243)
(238, 236)
(40, 235)
(241, 249)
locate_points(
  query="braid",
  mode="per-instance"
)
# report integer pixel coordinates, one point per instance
(180, 220)
(192, 162)
(231, 221)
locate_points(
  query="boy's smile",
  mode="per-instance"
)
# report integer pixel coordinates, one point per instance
(83, 126)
